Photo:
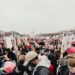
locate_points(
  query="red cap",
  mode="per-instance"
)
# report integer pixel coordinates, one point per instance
(71, 50)
(9, 67)
(28, 46)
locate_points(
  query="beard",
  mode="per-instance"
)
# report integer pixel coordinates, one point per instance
(71, 73)
(33, 65)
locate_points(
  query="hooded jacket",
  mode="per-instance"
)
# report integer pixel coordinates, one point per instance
(42, 68)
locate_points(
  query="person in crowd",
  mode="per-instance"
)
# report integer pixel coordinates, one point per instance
(1, 55)
(67, 62)
(20, 62)
(51, 57)
(21, 69)
(41, 66)
(71, 64)
(1, 50)
(11, 55)
(8, 68)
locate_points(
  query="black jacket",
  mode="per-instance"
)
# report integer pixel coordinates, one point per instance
(41, 70)
(21, 68)
(13, 73)
(12, 55)
(63, 70)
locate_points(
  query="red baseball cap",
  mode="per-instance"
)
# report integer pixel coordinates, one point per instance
(71, 50)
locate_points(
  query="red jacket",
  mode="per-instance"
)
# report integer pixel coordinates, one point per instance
(51, 69)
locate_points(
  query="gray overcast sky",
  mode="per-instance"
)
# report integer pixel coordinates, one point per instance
(40, 16)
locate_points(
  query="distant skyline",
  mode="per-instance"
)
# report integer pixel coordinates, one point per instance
(37, 16)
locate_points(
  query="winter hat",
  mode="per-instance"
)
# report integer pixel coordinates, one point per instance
(9, 67)
(30, 56)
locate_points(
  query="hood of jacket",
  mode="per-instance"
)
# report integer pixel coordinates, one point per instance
(45, 63)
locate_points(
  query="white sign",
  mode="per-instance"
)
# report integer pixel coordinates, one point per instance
(8, 42)
(66, 42)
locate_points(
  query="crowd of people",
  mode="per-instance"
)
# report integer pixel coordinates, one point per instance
(38, 57)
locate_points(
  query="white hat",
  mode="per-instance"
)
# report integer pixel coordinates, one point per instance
(29, 56)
